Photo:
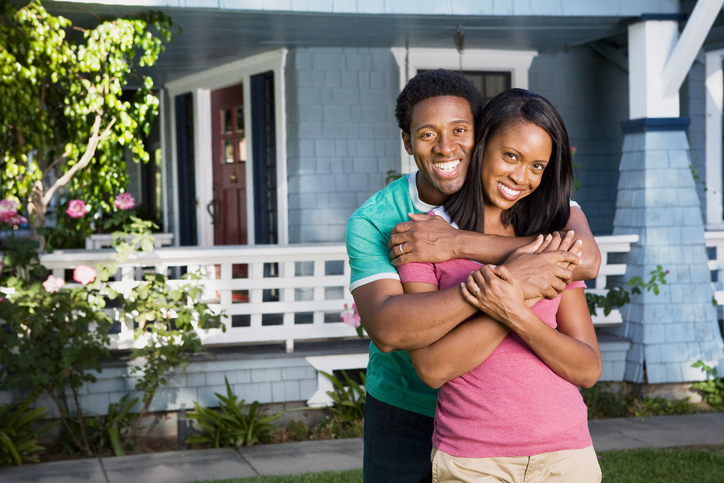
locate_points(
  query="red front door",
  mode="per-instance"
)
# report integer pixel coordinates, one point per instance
(229, 151)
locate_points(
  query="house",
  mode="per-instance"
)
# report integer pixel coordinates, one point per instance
(278, 121)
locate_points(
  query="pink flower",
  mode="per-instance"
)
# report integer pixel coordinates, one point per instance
(76, 209)
(8, 210)
(573, 150)
(350, 316)
(53, 284)
(124, 201)
(17, 220)
(84, 274)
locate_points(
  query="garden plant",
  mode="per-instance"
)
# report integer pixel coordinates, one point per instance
(72, 117)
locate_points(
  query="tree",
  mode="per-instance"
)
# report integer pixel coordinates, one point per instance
(67, 120)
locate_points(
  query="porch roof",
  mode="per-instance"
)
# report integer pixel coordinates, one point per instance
(217, 31)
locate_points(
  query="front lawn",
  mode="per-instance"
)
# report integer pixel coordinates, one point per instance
(620, 466)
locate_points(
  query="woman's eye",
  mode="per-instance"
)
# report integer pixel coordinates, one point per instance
(511, 156)
(539, 166)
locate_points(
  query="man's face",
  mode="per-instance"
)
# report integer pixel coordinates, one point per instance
(441, 140)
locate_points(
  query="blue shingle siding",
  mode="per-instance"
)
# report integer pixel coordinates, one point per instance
(264, 380)
(341, 135)
(591, 94)
(658, 201)
(693, 106)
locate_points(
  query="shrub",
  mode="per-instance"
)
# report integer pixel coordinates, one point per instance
(18, 440)
(231, 426)
(713, 388)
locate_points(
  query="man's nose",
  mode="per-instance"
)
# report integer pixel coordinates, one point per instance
(445, 144)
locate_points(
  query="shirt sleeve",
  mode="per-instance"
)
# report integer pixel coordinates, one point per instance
(577, 284)
(369, 258)
(418, 272)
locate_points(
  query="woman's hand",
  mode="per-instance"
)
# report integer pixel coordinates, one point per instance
(494, 291)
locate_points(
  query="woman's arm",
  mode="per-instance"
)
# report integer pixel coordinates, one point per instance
(460, 351)
(571, 351)
(431, 239)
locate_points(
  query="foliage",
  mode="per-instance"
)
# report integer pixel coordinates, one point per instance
(163, 314)
(649, 465)
(50, 339)
(348, 401)
(18, 439)
(105, 432)
(576, 166)
(713, 388)
(331, 427)
(298, 430)
(231, 426)
(53, 337)
(392, 175)
(70, 108)
(604, 404)
(618, 297)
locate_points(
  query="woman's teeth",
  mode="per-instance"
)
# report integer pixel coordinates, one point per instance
(508, 191)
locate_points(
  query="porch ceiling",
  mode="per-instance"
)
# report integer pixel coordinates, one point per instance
(214, 37)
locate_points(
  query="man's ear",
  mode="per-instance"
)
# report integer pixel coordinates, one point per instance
(406, 141)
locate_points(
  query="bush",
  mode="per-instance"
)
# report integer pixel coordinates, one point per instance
(18, 441)
(231, 426)
(603, 404)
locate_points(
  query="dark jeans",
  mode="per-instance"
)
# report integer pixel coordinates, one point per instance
(397, 444)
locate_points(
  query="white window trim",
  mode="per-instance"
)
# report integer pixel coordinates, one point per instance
(517, 62)
(714, 101)
(200, 86)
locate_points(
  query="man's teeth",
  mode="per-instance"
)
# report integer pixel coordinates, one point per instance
(508, 191)
(447, 166)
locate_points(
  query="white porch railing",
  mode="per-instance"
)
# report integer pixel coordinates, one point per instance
(715, 246)
(274, 293)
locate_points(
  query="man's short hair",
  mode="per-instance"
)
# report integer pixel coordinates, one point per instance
(435, 83)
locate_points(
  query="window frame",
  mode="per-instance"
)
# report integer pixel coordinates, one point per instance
(516, 62)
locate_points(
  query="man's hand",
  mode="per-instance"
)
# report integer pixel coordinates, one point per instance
(427, 238)
(541, 268)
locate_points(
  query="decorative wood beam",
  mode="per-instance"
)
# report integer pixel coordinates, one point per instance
(689, 44)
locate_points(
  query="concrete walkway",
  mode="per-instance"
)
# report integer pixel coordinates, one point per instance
(313, 456)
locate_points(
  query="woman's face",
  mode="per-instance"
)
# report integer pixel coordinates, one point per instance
(513, 164)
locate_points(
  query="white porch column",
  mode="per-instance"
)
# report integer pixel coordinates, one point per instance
(657, 200)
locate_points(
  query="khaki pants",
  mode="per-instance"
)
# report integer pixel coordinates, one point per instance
(568, 466)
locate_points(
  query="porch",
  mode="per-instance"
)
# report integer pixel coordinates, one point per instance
(283, 324)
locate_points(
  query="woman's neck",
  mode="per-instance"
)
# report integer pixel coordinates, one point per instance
(494, 224)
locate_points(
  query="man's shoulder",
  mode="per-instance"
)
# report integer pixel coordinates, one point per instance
(387, 203)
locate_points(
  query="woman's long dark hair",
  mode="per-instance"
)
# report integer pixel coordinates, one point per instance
(547, 208)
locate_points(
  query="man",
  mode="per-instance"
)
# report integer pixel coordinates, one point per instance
(436, 113)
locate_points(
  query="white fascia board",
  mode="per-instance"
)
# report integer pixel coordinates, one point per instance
(689, 44)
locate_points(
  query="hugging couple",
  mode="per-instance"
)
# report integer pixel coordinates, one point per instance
(468, 277)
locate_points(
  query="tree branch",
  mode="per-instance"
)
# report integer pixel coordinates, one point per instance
(87, 156)
(55, 162)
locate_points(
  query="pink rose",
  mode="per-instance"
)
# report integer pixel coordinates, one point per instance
(53, 284)
(76, 209)
(8, 209)
(17, 220)
(350, 316)
(84, 274)
(124, 201)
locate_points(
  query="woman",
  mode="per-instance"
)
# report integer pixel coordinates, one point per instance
(518, 416)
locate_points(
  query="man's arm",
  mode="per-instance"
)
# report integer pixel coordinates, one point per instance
(431, 239)
(395, 320)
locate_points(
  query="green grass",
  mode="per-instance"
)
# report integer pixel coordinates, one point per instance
(351, 476)
(621, 466)
(663, 465)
